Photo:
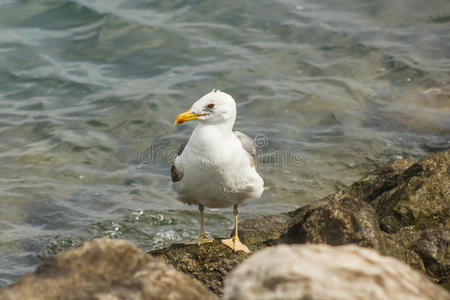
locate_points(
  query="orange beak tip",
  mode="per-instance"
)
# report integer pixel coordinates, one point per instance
(186, 116)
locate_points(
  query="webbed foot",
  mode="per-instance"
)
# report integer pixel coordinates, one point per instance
(235, 244)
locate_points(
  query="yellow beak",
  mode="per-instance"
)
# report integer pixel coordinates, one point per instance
(186, 116)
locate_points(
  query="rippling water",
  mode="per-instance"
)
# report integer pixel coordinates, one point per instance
(89, 90)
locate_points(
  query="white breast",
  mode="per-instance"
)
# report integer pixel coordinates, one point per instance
(216, 171)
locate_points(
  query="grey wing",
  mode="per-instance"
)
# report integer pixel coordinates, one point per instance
(176, 172)
(249, 146)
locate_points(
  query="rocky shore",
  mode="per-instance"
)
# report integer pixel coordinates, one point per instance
(401, 210)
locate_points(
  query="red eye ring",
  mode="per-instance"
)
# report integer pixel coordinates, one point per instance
(210, 106)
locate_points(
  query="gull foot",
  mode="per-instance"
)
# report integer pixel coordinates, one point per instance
(235, 244)
(202, 239)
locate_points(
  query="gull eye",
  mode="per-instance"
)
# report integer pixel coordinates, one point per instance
(210, 106)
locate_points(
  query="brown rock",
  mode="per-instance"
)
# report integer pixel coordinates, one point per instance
(409, 194)
(412, 202)
(379, 180)
(401, 209)
(211, 263)
(341, 220)
(105, 269)
(433, 247)
(418, 197)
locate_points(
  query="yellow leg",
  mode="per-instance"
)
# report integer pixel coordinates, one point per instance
(234, 242)
(202, 238)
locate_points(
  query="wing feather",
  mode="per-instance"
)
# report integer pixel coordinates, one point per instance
(176, 172)
(249, 146)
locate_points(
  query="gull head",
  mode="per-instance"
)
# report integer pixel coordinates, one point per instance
(215, 107)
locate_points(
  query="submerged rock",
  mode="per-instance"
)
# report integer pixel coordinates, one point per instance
(105, 269)
(325, 272)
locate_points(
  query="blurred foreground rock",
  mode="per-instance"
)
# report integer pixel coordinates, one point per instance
(325, 272)
(109, 270)
(401, 209)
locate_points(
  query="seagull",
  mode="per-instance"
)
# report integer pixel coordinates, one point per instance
(216, 167)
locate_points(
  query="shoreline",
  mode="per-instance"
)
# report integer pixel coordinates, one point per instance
(400, 209)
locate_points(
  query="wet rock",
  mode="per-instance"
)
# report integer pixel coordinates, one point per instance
(337, 220)
(326, 272)
(379, 180)
(412, 202)
(106, 269)
(401, 209)
(341, 220)
(418, 196)
(432, 246)
(211, 263)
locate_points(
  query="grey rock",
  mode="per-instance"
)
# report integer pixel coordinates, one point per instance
(325, 272)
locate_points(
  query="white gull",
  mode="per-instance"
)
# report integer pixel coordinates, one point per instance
(216, 167)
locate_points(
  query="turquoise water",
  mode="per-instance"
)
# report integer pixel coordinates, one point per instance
(89, 91)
